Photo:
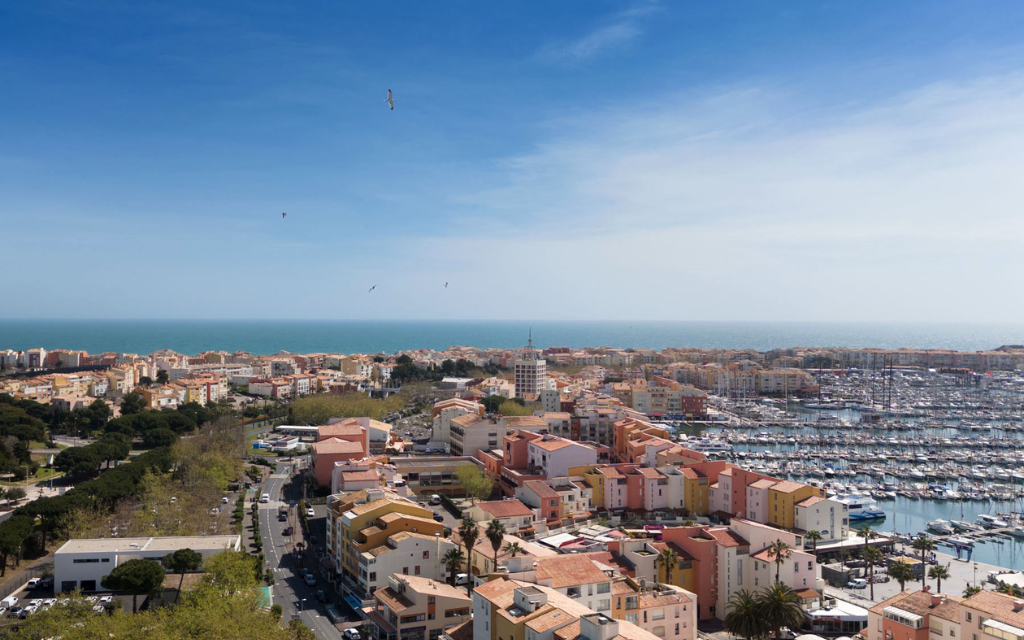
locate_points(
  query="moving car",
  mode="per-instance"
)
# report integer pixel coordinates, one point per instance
(265, 498)
(321, 596)
(435, 499)
(310, 513)
(310, 579)
(287, 531)
(224, 499)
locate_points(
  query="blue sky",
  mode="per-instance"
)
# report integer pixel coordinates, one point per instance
(550, 160)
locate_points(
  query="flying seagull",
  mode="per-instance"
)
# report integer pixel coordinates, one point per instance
(284, 215)
(390, 100)
(372, 288)
(446, 285)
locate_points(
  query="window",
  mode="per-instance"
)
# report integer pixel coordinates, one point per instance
(658, 631)
(430, 616)
(632, 617)
(84, 560)
(417, 569)
(373, 575)
(605, 587)
(430, 600)
(405, 570)
(426, 556)
(658, 614)
(810, 564)
(968, 616)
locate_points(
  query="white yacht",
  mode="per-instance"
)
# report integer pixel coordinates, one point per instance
(940, 526)
(861, 507)
(992, 522)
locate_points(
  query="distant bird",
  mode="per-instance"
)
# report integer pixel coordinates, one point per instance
(446, 285)
(372, 288)
(284, 215)
(390, 100)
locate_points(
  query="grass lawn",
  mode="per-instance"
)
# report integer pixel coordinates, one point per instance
(35, 444)
(266, 453)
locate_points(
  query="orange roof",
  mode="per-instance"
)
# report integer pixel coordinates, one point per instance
(506, 508)
(727, 538)
(788, 486)
(551, 444)
(569, 570)
(920, 603)
(810, 502)
(762, 484)
(550, 620)
(540, 488)
(337, 445)
(343, 428)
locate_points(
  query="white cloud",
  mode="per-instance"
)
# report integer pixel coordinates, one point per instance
(760, 206)
(623, 28)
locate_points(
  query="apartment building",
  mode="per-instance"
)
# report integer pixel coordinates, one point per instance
(404, 553)
(511, 513)
(828, 517)
(416, 608)
(530, 375)
(554, 456)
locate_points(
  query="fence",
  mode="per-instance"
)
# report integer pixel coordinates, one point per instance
(19, 579)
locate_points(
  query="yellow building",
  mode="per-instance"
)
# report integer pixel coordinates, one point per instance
(695, 492)
(782, 500)
(594, 479)
(368, 525)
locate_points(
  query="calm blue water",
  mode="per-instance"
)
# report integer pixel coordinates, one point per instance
(263, 337)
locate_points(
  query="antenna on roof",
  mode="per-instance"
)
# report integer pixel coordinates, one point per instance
(529, 342)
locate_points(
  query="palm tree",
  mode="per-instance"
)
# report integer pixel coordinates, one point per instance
(453, 560)
(923, 545)
(778, 552)
(469, 533)
(512, 548)
(779, 606)
(971, 590)
(813, 535)
(743, 617)
(668, 559)
(1009, 589)
(495, 534)
(901, 572)
(872, 555)
(938, 573)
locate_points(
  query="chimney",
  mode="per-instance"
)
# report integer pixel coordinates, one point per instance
(1018, 605)
(927, 588)
(936, 599)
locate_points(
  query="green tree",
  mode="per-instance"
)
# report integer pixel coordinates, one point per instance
(180, 562)
(667, 560)
(13, 533)
(99, 413)
(473, 482)
(491, 403)
(779, 606)
(971, 591)
(814, 536)
(872, 556)
(453, 561)
(159, 438)
(513, 408)
(495, 534)
(938, 573)
(231, 571)
(779, 552)
(137, 577)
(512, 548)
(14, 494)
(901, 572)
(162, 377)
(923, 545)
(132, 403)
(145, 381)
(743, 616)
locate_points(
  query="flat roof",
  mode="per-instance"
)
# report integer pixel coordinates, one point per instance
(149, 545)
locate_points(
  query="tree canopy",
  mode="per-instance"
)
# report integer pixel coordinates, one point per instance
(137, 577)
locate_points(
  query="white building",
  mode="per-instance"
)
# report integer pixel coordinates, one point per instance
(82, 564)
(407, 553)
(531, 374)
(828, 517)
(554, 456)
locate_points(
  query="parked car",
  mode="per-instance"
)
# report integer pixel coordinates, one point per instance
(287, 531)
(350, 634)
(310, 579)
(438, 517)
(321, 596)
(16, 612)
(462, 578)
(3, 610)
(10, 602)
(33, 583)
(49, 602)
(224, 499)
(858, 583)
(106, 599)
(46, 583)
(435, 499)
(310, 513)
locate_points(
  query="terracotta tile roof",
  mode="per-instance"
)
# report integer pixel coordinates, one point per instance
(551, 444)
(762, 484)
(810, 502)
(463, 631)
(727, 538)
(397, 601)
(340, 429)
(920, 603)
(541, 488)
(663, 600)
(650, 474)
(467, 420)
(506, 508)
(379, 551)
(552, 619)
(569, 631)
(521, 422)
(359, 476)
(395, 516)
(807, 594)
(788, 486)
(432, 587)
(336, 446)
(499, 592)
(569, 570)
(689, 473)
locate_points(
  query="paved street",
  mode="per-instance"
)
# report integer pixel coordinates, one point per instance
(290, 590)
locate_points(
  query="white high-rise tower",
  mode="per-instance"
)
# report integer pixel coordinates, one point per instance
(531, 371)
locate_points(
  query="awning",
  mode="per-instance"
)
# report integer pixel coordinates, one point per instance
(1002, 626)
(354, 602)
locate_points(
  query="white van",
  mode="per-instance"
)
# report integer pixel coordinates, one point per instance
(858, 583)
(265, 497)
(462, 578)
(9, 602)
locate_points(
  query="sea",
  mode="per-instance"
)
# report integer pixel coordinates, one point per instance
(264, 337)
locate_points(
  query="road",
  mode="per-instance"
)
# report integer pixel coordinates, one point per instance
(290, 590)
